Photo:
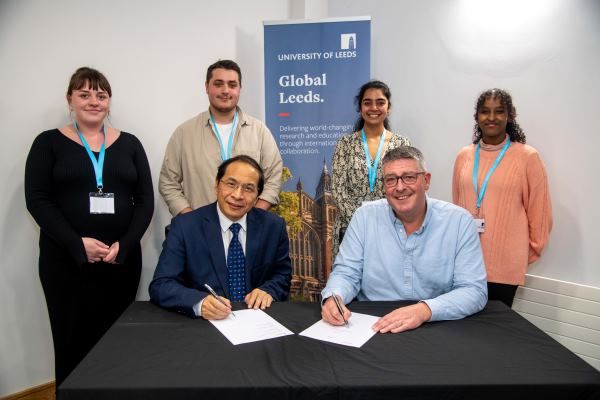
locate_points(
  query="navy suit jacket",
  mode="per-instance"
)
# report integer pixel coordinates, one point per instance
(193, 254)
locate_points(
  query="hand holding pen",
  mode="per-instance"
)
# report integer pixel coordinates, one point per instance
(215, 306)
(335, 312)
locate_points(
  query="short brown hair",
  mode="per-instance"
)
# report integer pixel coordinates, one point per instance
(94, 78)
(225, 64)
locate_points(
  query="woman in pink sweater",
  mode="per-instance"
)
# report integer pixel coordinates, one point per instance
(502, 182)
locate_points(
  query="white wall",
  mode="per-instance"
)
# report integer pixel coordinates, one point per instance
(436, 55)
(155, 54)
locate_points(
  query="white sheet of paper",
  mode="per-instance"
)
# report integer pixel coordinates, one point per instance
(357, 333)
(250, 326)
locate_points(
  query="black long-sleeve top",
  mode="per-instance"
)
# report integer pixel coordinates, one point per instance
(59, 176)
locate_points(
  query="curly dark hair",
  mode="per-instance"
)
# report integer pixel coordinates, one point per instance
(513, 129)
(372, 84)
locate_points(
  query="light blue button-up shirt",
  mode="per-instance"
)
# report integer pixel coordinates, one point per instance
(441, 263)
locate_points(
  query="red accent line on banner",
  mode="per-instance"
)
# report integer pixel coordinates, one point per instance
(284, 114)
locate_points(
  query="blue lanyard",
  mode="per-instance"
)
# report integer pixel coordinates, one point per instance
(372, 166)
(487, 177)
(225, 155)
(98, 164)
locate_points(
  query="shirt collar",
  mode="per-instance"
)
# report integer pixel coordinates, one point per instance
(226, 222)
(428, 212)
(241, 117)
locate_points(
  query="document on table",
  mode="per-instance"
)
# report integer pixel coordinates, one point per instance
(250, 326)
(355, 334)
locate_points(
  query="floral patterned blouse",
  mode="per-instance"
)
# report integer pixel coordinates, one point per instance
(350, 182)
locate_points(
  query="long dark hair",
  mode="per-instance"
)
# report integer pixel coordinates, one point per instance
(373, 84)
(513, 129)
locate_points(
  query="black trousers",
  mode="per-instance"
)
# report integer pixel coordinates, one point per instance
(83, 302)
(502, 291)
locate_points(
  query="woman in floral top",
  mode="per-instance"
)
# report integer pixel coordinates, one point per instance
(356, 167)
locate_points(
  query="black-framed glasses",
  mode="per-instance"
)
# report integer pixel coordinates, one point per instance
(232, 185)
(407, 179)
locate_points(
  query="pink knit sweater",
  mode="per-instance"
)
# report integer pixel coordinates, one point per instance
(516, 207)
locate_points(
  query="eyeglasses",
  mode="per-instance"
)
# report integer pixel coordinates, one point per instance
(407, 179)
(232, 185)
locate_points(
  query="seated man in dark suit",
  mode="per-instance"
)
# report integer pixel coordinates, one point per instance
(239, 251)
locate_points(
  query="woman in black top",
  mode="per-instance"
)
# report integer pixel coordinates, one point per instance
(91, 218)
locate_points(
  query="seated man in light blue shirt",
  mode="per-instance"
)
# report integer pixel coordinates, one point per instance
(408, 247)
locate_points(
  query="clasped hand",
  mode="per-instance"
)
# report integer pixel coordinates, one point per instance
(96, 251)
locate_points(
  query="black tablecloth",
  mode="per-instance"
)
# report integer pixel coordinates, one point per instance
(151, 353)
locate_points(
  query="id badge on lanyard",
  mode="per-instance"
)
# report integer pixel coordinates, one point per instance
(100, 202)
(478, 217)
(479, 221)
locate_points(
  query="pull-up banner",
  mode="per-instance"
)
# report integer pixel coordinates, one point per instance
(313, 70)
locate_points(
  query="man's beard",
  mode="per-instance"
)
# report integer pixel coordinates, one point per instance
(223, 110)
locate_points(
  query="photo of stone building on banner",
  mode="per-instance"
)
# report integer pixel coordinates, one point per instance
(310, 229)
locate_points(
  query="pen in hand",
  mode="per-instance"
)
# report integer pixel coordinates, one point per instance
(339, 307)
(217, 296)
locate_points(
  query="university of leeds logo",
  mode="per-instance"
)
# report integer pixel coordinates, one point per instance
(348, 41)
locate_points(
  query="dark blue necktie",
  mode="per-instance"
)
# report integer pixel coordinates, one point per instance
(236, 266)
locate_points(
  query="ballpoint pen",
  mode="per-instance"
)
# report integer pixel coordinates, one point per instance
(217, 296)
(339, 307)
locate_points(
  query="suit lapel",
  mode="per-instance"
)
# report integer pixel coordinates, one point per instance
(214, 237)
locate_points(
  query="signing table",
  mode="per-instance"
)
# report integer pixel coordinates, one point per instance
(150, 353)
